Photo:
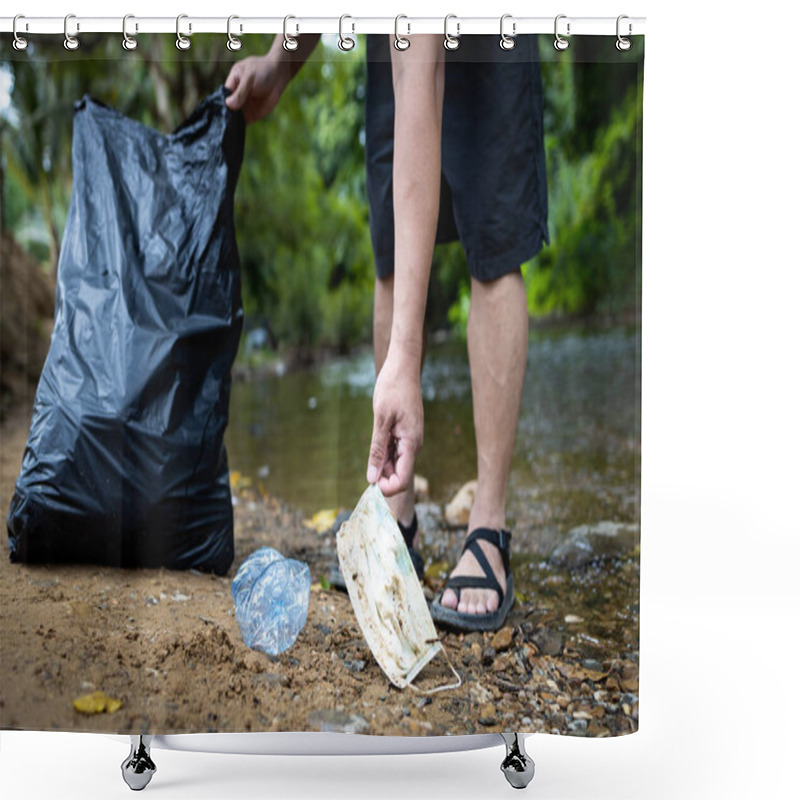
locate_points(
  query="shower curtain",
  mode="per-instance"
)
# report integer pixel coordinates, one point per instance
(191, 292)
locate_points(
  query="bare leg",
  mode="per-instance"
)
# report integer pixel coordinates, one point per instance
(401, 504)
(497, 337)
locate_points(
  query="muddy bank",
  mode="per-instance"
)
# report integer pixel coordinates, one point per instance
(167, 646)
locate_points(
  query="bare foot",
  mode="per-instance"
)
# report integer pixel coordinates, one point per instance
(476, 601)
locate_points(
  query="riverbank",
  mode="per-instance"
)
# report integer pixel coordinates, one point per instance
(167, 646)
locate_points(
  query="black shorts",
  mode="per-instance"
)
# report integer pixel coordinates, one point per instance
(494, 179)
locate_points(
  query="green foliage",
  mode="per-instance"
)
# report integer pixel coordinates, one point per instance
(301, 209)
(594, 177)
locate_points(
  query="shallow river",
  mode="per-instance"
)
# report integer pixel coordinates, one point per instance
(304, 436)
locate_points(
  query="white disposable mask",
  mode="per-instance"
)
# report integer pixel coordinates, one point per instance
(385, 592)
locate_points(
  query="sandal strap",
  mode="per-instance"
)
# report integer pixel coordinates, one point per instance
(475, 582)
(502, 541)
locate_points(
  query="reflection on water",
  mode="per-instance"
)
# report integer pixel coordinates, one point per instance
(307, 433)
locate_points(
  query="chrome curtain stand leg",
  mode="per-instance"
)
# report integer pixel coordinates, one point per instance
(138, 768)
(518, 766)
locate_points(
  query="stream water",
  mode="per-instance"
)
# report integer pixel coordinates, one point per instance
(305, 435)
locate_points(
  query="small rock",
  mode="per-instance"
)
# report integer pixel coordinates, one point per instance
(429, 519)
(457, 512)
(503, 663)
(479, 694)
(488, 656)
(355, 665)
(502, 639)
(421, 489)
(549, 643)
(588, 543)
(425, 701)
(331, 721)
(578, 725)
(151, 601)
(572, 619)
(418, 727)
(487, 715)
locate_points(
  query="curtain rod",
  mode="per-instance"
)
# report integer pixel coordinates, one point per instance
(187, 24)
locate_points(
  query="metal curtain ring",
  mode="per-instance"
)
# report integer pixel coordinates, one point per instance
(452, 42)
(623, 43)
(20, 42)
(507, 42)
(560, 42)
(289, 42)
(233, 44)
(70, 42)
(346, 43)
(400, 42)
(181, 42)
(128, 42)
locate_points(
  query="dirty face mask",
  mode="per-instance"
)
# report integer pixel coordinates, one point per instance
(385, 592)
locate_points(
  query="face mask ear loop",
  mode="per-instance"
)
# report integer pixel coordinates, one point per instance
(440, 688)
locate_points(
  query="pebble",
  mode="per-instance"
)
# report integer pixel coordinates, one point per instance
(503, 663)
(488, 656)
(331, 721)
(487, 714)
(355, 665)
(549, 643)
(503, 639)
(588, 543)
(456, 513)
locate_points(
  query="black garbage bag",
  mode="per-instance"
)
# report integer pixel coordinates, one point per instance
(125, 463)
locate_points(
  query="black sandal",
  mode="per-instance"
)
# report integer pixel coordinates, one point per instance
(336, 578)
(479, 622)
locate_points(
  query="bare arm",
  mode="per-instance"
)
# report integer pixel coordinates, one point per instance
(257, 82)
(418, 78)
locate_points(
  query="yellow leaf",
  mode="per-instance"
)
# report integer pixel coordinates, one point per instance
(322, 521)
(96, 703)
(437, 570)
(235, 477)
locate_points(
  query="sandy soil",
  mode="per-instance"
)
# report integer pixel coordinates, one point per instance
(167, 645)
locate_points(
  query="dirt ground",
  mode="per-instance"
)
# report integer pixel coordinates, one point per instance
(166, 645)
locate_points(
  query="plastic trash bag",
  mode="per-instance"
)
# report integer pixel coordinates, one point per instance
(270, 598)
(125, 463)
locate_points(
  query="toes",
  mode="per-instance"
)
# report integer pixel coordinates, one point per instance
(449, 600)
(476, 602)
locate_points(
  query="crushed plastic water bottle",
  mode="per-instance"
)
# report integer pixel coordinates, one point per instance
(270, 597)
